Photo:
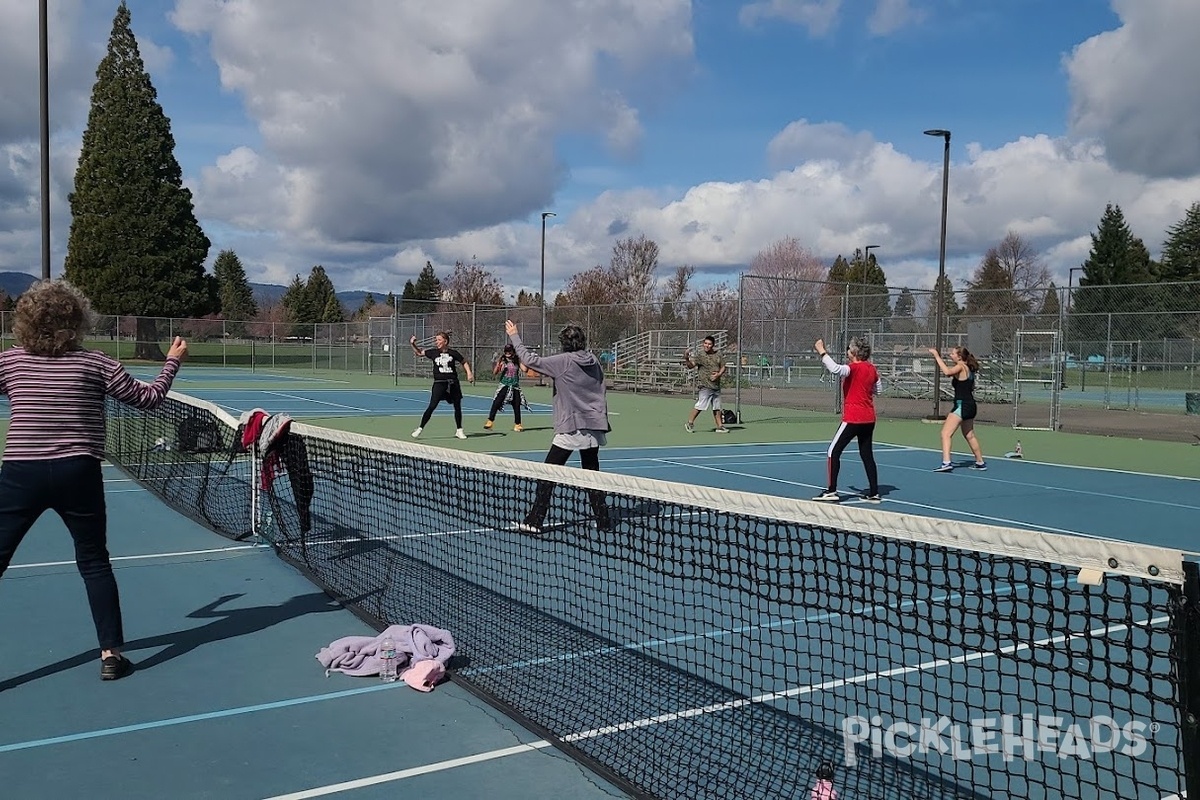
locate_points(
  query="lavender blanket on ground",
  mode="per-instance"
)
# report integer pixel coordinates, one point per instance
(359, 655)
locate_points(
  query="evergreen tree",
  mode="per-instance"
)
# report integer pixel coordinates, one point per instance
(869, 302)
(135, 247)
(951, 312)
(333, 312)
(426, 293)
(1113, 301)
(293, 303)
(319, 295)
(237, 299)
(906, 304)
(1181, 250)
(390, 300)
(364, 310)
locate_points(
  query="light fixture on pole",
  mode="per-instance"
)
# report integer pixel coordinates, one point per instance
(939, 295)
(545, 214)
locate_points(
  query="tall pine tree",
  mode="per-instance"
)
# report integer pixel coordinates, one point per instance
(135, 247)
(425, 293)
(1113, 302)
(237, 299)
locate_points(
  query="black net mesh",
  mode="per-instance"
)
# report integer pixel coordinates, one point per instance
(689, 644)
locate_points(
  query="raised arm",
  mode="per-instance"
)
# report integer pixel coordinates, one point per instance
(413, 341)
(837, 369)
(947, 370)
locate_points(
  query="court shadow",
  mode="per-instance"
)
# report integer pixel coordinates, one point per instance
(884, 489)
(225, 624)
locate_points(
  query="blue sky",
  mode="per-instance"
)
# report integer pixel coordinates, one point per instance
(372, 135)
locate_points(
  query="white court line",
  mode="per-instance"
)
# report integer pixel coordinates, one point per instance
(149, 556)
(1006, 522)
(869, 677)
(426, 769)
(675, 716)
(775, 459)
(318, 402)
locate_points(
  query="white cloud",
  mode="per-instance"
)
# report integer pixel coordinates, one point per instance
(804, 141)
(1134, 88)
(890, 16)
(819, 16)
(407, 119)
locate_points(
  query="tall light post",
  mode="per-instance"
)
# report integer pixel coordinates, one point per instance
(543, 286)
(44, 100)
(941, 284)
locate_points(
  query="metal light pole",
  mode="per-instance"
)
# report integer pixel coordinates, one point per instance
(44, 92)
(545, 214)
(941, 284)
(1067, 330)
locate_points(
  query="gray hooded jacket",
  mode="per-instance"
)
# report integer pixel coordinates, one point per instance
(579, 396)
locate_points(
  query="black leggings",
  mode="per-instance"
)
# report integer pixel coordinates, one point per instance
(498, 402)
(452, 394)
(73, 488)
(588, 459)
(864, 432)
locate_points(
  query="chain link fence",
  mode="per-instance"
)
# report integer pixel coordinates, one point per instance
(1119, 360)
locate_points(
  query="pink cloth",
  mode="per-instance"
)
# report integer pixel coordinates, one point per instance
(823, 790)
(424, 675)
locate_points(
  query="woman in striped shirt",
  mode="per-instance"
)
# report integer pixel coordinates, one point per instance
(55, 441)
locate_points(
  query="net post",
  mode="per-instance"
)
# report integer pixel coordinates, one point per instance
(1189, 677)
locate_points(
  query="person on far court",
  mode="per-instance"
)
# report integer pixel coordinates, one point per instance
(445, 379)
(962, 377)
(55, 444)
(709, 366)
(580, 416)
(508, 368)
(860, 384)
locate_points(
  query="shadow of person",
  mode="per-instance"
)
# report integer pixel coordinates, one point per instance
(226, 624)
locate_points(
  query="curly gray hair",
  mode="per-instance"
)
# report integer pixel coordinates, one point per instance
(861, 348)
(52, 318)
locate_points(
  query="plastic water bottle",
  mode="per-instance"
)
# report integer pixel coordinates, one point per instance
(387, 656)
(1018, 450)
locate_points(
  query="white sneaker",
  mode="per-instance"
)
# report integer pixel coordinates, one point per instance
(689, 427)
(828, 497)
(525, 527)
(722, 429)
(417, 433)
(458, 434)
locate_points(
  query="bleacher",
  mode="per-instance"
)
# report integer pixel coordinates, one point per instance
(652, 361)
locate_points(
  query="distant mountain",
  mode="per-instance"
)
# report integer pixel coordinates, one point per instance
(15, 283)
(351, 301)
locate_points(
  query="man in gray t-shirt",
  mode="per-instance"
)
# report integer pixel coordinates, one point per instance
(710, 367)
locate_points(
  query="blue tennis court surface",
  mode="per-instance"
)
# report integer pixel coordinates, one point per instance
(231, 703)
(308, 402)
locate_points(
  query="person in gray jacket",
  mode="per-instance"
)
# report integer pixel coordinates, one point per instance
(580, 415)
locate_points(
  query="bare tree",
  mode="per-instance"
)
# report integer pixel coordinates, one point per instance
(633, 264)
(1010, 279)
(792, 280)
(471, 283)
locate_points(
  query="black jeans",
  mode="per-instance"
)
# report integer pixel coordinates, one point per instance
(502, 394)
(588, 459)
(74, 489)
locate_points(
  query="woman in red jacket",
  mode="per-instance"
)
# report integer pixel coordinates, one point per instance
(860, 384)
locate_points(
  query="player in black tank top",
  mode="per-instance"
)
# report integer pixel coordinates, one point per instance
(962, 377)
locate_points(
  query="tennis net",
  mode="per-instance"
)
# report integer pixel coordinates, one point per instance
(689, 642)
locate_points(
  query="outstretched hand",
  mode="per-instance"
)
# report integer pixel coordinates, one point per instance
(179, 349)
(510, 327)
(933, 351)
